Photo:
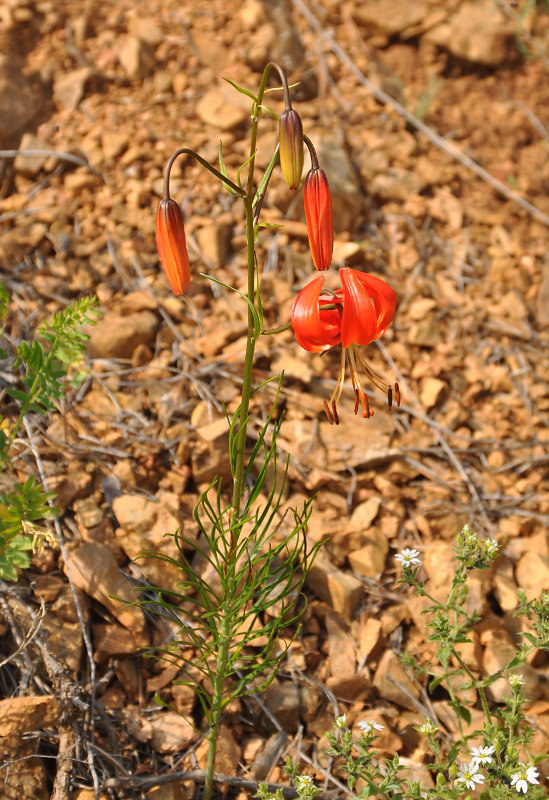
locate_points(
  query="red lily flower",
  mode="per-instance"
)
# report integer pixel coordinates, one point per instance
(172, 245)
(317, 201)
(356, 314)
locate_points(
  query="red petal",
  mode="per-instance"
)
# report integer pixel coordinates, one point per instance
(368, 307)
(172, 245)
(317, 201)
(315, 330)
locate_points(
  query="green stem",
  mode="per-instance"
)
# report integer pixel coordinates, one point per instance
(230, 590)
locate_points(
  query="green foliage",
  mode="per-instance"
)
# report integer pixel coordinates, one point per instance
(42, 367)
(502, 767)
(253, 568)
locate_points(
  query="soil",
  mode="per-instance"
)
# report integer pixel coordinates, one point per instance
(96, 96)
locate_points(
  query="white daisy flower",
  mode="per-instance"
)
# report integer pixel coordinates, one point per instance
(469, 775)
(491, 545)
(303, 783)
(428, 728)
(408, 557)
(369, 725)
(526, 774)
(482, 755)
(341, 721)
(515, 680)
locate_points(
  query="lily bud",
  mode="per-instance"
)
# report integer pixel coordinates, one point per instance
(172, 245)
(317, 200)
(291, 147)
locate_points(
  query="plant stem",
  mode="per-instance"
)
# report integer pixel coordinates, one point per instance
(230, 585)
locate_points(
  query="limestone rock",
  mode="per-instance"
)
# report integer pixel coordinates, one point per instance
(21, 98)
(69, 87)
(477, 32)
(116, 336)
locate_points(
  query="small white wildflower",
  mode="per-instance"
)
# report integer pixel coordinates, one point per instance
(303, 783)
(428, 728)
(368, 725)
(515, 680)
(526, 774)
(491, 545)
(408, 557)
(341, 721)
(469, 775)
(482, 755)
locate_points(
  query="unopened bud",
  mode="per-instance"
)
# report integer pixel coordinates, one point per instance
(291, 147)
(172, 245)
(318, 214)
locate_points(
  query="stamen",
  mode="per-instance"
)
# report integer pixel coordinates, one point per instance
(334, 410)
(397, 394)
(389, 399)
(328, 412)
(356, 401)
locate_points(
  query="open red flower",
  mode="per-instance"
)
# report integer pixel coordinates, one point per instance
(172, 245)
(356, 314)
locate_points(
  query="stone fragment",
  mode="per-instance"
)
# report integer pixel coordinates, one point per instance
(393, 683)
(215, 108)
(23, 715)
(342, 591)
(136, 57)
(403, 15)
(370, 637)
(478, 32)
(290, 704)
(431, 390)
(532, 572)
(171, 733)
(341, 647)
(213, 241)
(143, 525)
(369, 560)
(69, 87)
(365, 513)
(31, 165)
(21, 98)
(396, 184)
(93, 568)
(116, 336)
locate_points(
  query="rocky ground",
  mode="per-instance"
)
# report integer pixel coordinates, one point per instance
(96, 96)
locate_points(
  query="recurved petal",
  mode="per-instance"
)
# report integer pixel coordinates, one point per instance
(368, 307)
(383, 298)
(358, 324)
(315, 330)
(172, 245)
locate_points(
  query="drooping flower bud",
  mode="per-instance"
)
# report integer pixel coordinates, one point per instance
(172, 245)
(317, 200)
(291, 147)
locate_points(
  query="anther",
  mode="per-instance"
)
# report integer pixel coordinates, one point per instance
(397, 394)
(334, 410)
(328, 412)
(389, 399)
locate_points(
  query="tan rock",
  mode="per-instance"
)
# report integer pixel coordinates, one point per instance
(431, 391)
(477, 32)
(532, 572)
(369, 560)
(136, 56)
(69, 88)
(365, 513)
(341, 647)
(93, 568)
(393, 683)
(144, 525)
(369, 636)
(23, 715)
(218, 110)
(342, 591)
(402, 15)
(116, 336)
(21, 98)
